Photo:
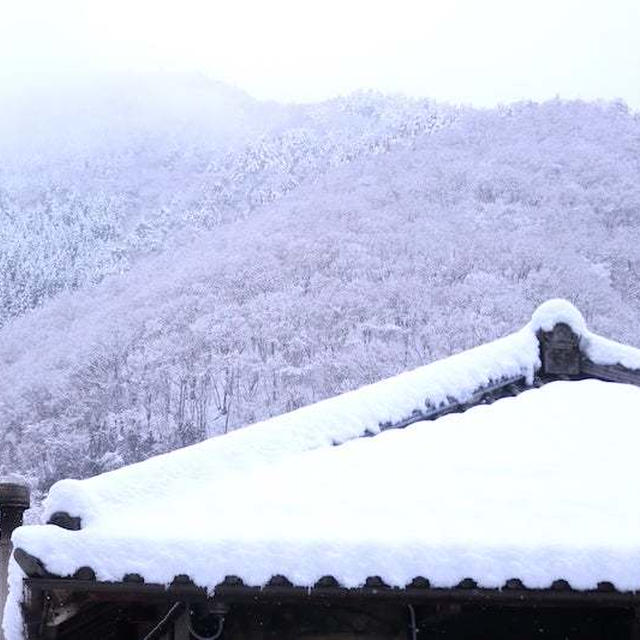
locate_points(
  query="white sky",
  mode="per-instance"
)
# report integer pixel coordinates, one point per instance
(478, 51)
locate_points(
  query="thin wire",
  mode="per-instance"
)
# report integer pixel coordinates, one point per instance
(164, 620)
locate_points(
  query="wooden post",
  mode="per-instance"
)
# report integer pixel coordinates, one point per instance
(635, 625)
(14, 499)
(181, 627)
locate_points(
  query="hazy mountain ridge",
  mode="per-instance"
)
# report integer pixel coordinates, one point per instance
(376, 265)
(133, 169)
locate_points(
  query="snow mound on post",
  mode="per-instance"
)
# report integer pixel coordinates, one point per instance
(598, 349)
(557, 311)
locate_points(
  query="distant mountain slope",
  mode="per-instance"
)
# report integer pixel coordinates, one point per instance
(376, 266)
(61, 115)
(96, 174)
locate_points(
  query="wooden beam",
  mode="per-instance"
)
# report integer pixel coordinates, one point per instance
(610, 372)
(125, 592)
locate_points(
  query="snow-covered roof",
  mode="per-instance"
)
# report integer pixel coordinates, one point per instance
(540, 486)
(531, 487)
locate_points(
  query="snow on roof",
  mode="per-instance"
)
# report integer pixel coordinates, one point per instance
(532, 487)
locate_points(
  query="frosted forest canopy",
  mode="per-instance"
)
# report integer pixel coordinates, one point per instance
(178, 260)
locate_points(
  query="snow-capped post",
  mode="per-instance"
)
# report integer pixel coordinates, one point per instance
(14, 499)
(560, 351)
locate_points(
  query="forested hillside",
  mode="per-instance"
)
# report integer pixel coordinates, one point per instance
(347, 242)
(110, 173)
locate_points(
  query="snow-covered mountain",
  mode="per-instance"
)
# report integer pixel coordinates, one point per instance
(97, 173)
(353, 240)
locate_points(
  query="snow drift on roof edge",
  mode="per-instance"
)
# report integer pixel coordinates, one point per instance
(330, 421)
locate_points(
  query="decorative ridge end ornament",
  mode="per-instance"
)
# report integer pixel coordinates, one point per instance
(560, 351)
(65, 521)
(14, 499)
